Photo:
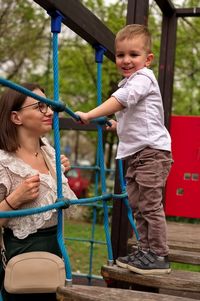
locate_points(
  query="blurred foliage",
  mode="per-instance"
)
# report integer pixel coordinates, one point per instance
(25, 53)
(181, 219)
(23, 39)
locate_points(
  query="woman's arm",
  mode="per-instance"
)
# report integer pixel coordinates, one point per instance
(25, 192)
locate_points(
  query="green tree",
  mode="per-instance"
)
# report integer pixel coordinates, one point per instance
(23, 39)
(25, 53)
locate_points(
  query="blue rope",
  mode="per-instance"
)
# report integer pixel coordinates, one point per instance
(60, 106)
(103, 187)
(99, 60)
(92, 241)
(55, 29)
(65, 203)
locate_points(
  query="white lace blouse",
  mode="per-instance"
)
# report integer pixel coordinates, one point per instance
(13, 171)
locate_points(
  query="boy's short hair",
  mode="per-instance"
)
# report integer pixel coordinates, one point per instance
(134, 30)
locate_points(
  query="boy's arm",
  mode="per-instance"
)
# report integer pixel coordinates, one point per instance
(109, 107)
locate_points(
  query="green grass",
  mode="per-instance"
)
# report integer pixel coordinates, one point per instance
(185, 266)
(79, 251)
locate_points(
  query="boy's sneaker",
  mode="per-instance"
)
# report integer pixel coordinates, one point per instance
(150, 263)
(122, 262)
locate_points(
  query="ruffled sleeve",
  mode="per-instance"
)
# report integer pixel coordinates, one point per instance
(5, 182)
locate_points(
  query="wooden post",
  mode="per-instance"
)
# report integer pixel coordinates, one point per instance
(137, 12)
(166, 65)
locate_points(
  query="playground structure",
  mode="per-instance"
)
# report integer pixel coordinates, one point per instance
(74, 15)
(79, 19)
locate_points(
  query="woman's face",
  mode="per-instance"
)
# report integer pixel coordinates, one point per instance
(33, 117)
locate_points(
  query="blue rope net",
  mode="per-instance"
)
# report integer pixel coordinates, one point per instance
(61, 202)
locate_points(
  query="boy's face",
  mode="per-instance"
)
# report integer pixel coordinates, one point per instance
(131, 55)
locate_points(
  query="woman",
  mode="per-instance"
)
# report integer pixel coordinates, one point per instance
(27, 177)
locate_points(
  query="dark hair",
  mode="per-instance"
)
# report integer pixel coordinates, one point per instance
(12, 100)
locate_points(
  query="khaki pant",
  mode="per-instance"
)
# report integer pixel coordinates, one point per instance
(146, 176)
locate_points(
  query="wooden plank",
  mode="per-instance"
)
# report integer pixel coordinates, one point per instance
(177, 280)
(183, 241)
(83, 22)
(188, 12)
(137, 12)
(180, 256)
(166, 6)
(119, 226)
(191, 295)
(184, 236)
(184, 245)
(166, 64)
(184, 256)
(92, 293)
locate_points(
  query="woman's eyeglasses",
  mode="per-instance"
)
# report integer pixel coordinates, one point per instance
(41, 106)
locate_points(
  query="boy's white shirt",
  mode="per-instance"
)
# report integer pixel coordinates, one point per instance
(141, 122)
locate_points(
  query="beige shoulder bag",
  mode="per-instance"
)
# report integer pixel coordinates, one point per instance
(34, 272)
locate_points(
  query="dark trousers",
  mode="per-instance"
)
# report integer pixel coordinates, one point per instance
(42, 240)
(146, 176)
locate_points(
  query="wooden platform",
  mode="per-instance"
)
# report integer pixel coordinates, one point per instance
(184, 244)
(181, 256)
(176, 280)
(184, 236)
(95, 293)
(183, 241)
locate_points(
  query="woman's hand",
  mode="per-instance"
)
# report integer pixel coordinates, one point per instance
(25, 192)
(65, 162)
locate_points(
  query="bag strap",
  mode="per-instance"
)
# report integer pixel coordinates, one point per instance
(53, 173)
(3, 251)
(49, 165)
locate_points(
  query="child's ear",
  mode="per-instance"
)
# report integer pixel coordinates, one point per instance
(149, 59)
(15, 118)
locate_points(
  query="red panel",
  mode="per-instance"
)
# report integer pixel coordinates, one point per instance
(183, 185)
